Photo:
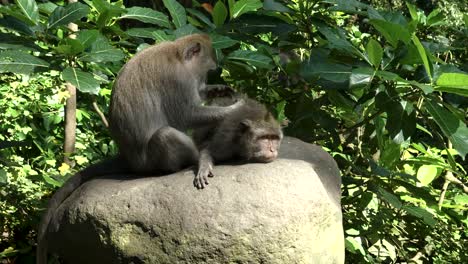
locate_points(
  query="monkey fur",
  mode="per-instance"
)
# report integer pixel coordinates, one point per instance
(250, 134)
(156, 97)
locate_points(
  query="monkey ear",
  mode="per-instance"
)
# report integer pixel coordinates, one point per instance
(245, 125)
(192, 50)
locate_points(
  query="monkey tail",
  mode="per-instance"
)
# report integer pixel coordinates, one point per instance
(107, 167)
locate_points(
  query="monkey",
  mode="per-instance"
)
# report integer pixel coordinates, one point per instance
(250, 134)
(157, 96)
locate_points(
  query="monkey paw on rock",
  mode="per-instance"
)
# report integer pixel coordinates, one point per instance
(201, 179)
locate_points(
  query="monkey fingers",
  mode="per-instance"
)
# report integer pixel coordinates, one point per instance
(201, 178)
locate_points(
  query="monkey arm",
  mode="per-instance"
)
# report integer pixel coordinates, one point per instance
(209, 115)
(205, 169)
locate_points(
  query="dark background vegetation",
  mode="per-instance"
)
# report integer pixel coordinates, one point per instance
(381, 85)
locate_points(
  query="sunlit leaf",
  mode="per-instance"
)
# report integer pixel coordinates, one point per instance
(244, 6)
(21, 62)
(426, 174)
(83, 81)
(147, 15)
(63, 15)
(177, 11)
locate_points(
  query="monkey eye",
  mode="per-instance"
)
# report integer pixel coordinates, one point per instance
(268, 137)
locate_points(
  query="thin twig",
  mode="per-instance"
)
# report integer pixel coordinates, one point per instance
(100, 113)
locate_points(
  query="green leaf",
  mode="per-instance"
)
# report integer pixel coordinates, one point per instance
(147, 15)
(271, 5)
(87, 37)
(222, 42)
(426, 174)
(185, 30)
(29, 9)
(70, 47)
(244, 6)
(452, 127)
(201, 16)
(317, 69)
(3, 177)
(435, 18)
(454, 80)
(461, 199)
(361, 77)
(391, 31)
(219, 13)
(251, 57)
(177, 11)
(141, 32)
(21, 62)
(413, 12)
(389, 197)
(422, 54)
(83, 81)
(160, 36)
(421, 213)
(107, 11)
(16, 24)
(337, 40)
(102, 51)
(69, 13)
(374, 52)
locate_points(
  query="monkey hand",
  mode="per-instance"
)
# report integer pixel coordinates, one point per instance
(201, 179)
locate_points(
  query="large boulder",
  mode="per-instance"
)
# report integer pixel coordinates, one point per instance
(287, 211)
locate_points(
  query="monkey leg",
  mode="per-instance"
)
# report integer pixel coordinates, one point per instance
(205, 169)
(170, 150)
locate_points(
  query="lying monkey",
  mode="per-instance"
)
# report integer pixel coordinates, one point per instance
(251, 134)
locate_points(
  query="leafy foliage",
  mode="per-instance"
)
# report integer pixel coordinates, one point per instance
(383, 90)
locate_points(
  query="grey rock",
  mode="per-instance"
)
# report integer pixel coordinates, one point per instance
(287, 211)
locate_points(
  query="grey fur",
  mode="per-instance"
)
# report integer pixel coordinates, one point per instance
(251, 133)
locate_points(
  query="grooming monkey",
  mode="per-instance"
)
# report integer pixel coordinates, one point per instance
(251, 134)
(156, 97)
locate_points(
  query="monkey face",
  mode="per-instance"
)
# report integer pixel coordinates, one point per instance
(260, 141)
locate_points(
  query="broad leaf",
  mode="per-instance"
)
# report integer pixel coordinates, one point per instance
(253, 58)
(147, 15)
(185, 30)
(222, 42)
(421, 213)
(29, 9)
(219, 13)
(427, 173)
(87, 37)
(141, 32)
(271, 5)
(453, 128)
(21, 62)
(391, 31)
(16, 25)
(70, 47)
(257, 24)
(177, 11)
(201, 16)
(160, 35)
(452, 79)
(374, 52)
(337, 40)
(67, 14)
(83, 81)
(244, 6)
(423, 55)
(361, 77)
(102, 51)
